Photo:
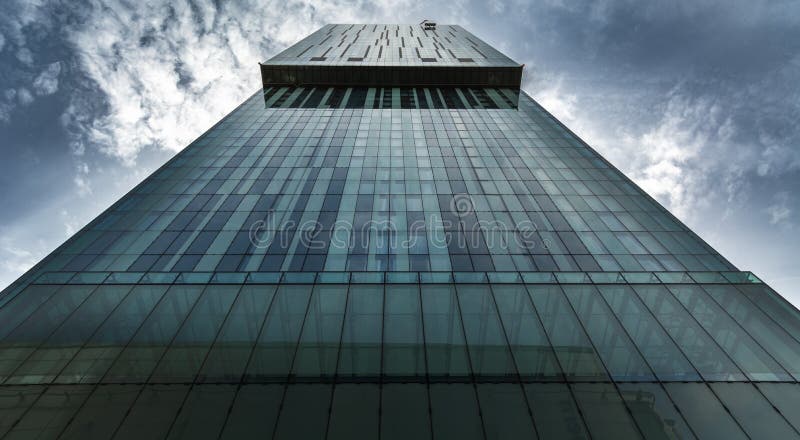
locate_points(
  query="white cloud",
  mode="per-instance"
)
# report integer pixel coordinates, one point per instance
(558, 102)
(81, 180)
(25, 56)
(170, 71)
(16, 259)
(779, 211)
(47, 81)
(24, 96)
(496, 7)
(2, 42)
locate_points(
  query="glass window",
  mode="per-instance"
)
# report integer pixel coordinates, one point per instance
(604, 411)
(46, 319)
(608, 337)
(554, 411)
(319, 341)
(747, 354)
(137, 360)
(46, 362)
(405, 412)
(403, 346)
(14, 402)
(488, 349)
(661, 353)
(355, 412)
(784, 313)
(505, 412)
(102, 413)
(764, 330)
(754, 413)
(454, 412)
(576, 356)
(709, 360)
(228, 357)
(203, 413)
(360, 353)
(23, 305)
(304, 412)
(275, 350)
(48, 416)
(786, 398)
(444, 334)
(153, 413)
(254, 411)
(532, 351)
(96, 356)
(703, 412)
(654, 412)
(190, 346)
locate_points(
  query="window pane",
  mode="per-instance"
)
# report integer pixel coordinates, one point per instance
(203, 413)
(699, 348)
(304, 413)
(785, 314)
(355, 411)
(761, 327)
(404, 412)
(403, 346)
(554, 411)
(454, 412)
(658, 349)
(608, 337)
(254, 412)
(46, 362)
(578, 359)
(319, 341)
(188, 350)
(361, 338)
(703, 412)
(103, 412)
(753, 412)
(153, 412)
(785, 397)
(505, 412)
(228, 357)
(444, 335)
(604, 411)
(531, 349)
(488, 348)
(137, 361)
(654, 412)
(93, 360)
(22, 306)
(21, 342)
(747, 354)
(14, 402)
(275, 350)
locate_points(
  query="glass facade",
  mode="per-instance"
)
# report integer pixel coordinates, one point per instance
(440, 262)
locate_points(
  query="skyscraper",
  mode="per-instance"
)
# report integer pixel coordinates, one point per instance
(391, 240)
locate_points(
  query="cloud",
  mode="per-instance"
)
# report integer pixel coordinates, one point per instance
(25, 56)
(171, 70)
(2, 42)
(47, 81)
(81, 179)
(779, 211)
(24, 96)
(558, 102)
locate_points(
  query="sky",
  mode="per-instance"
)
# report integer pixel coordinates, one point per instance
(697, 101)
